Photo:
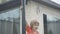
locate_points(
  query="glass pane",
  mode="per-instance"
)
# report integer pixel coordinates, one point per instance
(53, 25)
(10, 21)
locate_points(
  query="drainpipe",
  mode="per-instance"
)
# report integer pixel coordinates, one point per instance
(23, 16)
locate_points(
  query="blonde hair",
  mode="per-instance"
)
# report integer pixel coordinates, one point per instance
(34, 23)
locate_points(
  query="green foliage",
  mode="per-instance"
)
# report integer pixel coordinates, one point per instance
(50, 32)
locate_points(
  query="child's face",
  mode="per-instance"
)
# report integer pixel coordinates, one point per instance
(35, 28)
(34, 25)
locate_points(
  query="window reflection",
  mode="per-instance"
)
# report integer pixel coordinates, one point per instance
(52, 25)
(10, 22)
(4, 1)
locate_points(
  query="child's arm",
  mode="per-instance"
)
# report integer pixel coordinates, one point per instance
(28, 28)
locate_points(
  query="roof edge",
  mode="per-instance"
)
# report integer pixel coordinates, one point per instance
(49, 3)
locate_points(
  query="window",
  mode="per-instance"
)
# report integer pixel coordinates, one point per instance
(51, 24)
(10, 16)
(10, 21)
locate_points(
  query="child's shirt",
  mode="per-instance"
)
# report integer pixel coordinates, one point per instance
(29, 30)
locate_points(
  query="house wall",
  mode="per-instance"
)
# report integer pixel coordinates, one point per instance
(35, 13)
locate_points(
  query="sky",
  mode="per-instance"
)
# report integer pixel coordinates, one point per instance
(57, 1)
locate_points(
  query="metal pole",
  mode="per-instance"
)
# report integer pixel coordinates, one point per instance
(23, 16)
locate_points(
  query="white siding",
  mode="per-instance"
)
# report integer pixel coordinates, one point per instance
(31, 9)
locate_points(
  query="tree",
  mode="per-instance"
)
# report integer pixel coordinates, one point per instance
(50, 32)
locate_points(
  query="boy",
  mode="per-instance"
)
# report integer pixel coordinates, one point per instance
(32, 29)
